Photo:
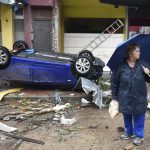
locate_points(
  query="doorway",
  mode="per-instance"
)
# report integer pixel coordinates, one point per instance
(41, 29)
(42, 35)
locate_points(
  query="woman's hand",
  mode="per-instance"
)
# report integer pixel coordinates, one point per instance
(146, 70)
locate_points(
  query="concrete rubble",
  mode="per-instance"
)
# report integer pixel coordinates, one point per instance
(56, 117)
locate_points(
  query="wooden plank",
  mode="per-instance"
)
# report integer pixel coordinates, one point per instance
(15, 136)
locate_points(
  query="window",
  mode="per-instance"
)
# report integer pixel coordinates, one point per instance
(19, 25)
(88, 25)
(19, 14)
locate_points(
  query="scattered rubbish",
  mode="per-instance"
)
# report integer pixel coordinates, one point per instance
(7, 118)
(90, 87)
(105, 83)
(106, 93)
(3, 93)
(113, 108)
(44, 111)
(72, 94)
(57, 99)
(10, 115)
(35, 111)
(60, 107)
(6, 128)
(129, 146)
(17, 144)
(2, 137)
(94, 126)
(120, 129)
(55, 119)
(84, 102)
(68, 122)
(21, 94)
(57, 116)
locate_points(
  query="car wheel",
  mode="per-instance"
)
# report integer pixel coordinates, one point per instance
(83, 66)
(4, 57)
(20, 45)
(87, 53)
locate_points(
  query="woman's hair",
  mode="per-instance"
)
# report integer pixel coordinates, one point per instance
(131, 48)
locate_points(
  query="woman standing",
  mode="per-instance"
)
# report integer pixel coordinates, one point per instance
(128, 85)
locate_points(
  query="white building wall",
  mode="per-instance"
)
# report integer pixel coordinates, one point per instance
(75, 42)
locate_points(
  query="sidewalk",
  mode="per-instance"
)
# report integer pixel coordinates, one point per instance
(47, 95)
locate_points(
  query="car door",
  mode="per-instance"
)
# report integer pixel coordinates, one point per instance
(19, 69)
(50, 71)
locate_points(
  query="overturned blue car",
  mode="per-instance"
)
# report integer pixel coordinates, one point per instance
(30, 66)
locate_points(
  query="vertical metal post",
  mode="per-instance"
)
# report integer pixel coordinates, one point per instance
(127, 24)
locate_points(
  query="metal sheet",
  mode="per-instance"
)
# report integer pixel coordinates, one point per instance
(89, 86)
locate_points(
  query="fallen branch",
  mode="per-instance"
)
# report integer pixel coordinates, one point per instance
(32, 113)
(10, 114)
(22, 138)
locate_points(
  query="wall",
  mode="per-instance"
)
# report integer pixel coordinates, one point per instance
(28, 34)
(41, 2)
(91, 8)
(7, 25)
(75, 42)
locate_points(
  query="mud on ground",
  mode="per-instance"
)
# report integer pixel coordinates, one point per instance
(94, 130)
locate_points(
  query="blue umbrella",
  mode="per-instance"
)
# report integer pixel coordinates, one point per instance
(120, 53)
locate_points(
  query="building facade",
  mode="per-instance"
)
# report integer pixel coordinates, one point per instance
(82, 22)
(62, 25)
(32, 23)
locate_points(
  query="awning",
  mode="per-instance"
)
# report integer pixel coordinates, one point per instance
(130, 3)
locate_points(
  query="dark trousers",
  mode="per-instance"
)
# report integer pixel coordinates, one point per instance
(134, 124)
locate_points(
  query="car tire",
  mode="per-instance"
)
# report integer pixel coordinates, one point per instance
(5, 57)
(20, 45)
(83, 66)
(87, 53)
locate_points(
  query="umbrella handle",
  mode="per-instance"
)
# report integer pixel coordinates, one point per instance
(143, 68)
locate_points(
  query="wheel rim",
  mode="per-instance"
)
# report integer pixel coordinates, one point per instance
(3, 57)
(82, 65)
